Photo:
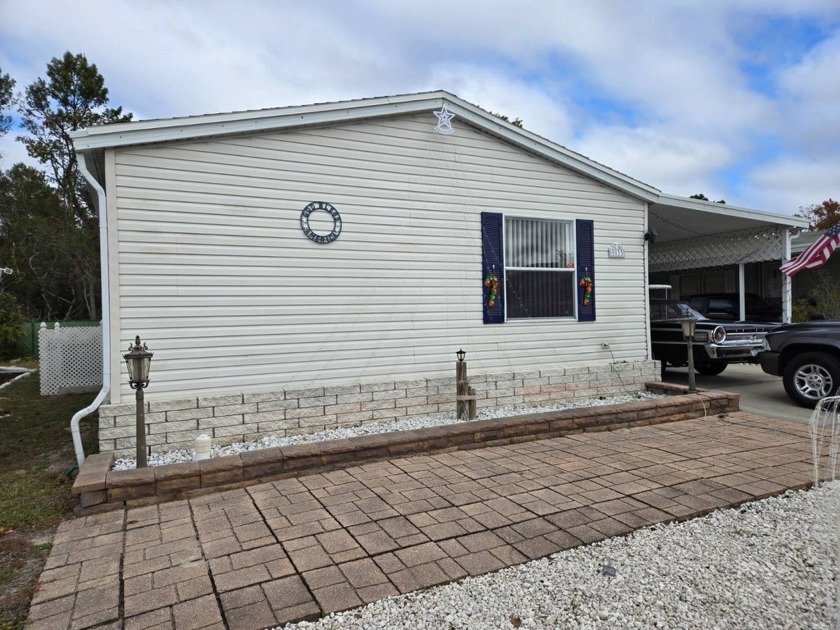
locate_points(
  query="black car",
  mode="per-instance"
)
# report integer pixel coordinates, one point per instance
(807, 357)
(716, 344)
(726, 307)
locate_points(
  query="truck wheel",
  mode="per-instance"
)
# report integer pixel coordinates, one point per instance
(710, 368)
(811, 377)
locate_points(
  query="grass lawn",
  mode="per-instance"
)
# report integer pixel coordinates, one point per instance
(36, 458)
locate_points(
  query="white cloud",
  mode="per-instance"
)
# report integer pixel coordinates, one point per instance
(12, 152)
(682, 110)
(660, 156)
(811, 92)
(786, 185)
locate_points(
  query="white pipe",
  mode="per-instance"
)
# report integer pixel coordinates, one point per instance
(105, 311)
(787, 286)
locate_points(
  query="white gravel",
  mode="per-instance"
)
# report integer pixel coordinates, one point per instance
(769, 564)
(417, 422)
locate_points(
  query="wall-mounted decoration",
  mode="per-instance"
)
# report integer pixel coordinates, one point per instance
(616, 250)
(444, 125)
(587, 285)
(314, 236)
(491, 282)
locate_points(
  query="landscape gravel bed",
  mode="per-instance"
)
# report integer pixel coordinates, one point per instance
(408, 424)
(767, 564)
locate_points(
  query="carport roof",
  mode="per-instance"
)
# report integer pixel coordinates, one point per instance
(678, 218)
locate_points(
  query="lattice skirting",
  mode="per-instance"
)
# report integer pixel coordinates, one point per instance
(713, 251)
(70, 359)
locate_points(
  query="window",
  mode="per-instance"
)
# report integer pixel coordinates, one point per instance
(721, 305)
(539, 268)
(533, 268)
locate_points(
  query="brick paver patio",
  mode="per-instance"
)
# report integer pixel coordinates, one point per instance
(303, 547)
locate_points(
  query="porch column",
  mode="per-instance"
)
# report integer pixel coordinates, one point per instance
(742, 300)
(786, 284)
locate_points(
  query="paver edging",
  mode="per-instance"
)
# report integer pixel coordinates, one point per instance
(100, 488)
(721, 462)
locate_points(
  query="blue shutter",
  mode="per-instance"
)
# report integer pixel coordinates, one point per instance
(493, 262)
(585, 267)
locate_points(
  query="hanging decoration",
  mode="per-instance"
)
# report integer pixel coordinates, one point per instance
(586, 283)
(444, 125)
(491, 282)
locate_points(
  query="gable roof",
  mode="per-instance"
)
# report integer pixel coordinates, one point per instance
(94, 139)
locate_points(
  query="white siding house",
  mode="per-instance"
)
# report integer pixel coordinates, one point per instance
(258, 329)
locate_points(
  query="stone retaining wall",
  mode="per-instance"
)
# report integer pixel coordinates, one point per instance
(101, 488)
(173, 424)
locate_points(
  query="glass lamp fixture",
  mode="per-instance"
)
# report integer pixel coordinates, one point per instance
(688, 327)
(138, 360)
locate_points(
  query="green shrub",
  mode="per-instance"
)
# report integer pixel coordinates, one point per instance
(822, 302)
(800, 311)
(11, 325)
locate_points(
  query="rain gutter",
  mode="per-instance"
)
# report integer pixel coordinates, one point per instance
(106, 312)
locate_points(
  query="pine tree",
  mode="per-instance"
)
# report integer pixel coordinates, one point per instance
(72, 96)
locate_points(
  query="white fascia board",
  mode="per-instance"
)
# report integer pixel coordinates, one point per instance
(551, 151)
(731, 211)
(145, 132)
(167, 130)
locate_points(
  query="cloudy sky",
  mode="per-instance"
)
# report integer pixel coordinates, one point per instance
(738, 99)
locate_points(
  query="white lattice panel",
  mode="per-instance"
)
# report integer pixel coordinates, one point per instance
(715, 251)
(70, 358)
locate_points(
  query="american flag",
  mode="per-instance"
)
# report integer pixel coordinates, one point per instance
(816, 255)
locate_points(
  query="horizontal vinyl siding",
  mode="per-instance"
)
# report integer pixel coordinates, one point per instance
(215, 272)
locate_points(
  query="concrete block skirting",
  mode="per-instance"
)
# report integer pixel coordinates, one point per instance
(102, 489)
(174, 424)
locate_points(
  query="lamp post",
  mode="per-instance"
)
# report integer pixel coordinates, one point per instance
(688, 328)
(461, 385)
(464, 394)
(138, 360)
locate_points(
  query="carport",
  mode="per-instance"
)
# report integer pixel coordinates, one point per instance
(707, 247)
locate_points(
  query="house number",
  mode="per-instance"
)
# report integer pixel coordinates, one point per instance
(310, 233)
(616, 250)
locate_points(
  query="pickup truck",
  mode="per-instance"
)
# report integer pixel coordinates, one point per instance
(807, 357)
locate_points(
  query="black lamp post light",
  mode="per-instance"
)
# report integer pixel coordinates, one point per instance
(138, 360)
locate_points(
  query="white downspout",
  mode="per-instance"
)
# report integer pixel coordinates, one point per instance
(106, 312)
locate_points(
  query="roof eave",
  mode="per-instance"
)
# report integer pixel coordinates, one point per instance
(732, 211)
(554, 152)
(167, 130)
(155, 131)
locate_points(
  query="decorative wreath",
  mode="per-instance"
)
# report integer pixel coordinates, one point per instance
(492, 283)
(586, 283)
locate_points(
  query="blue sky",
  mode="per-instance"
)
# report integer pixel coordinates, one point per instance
(738, 99)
